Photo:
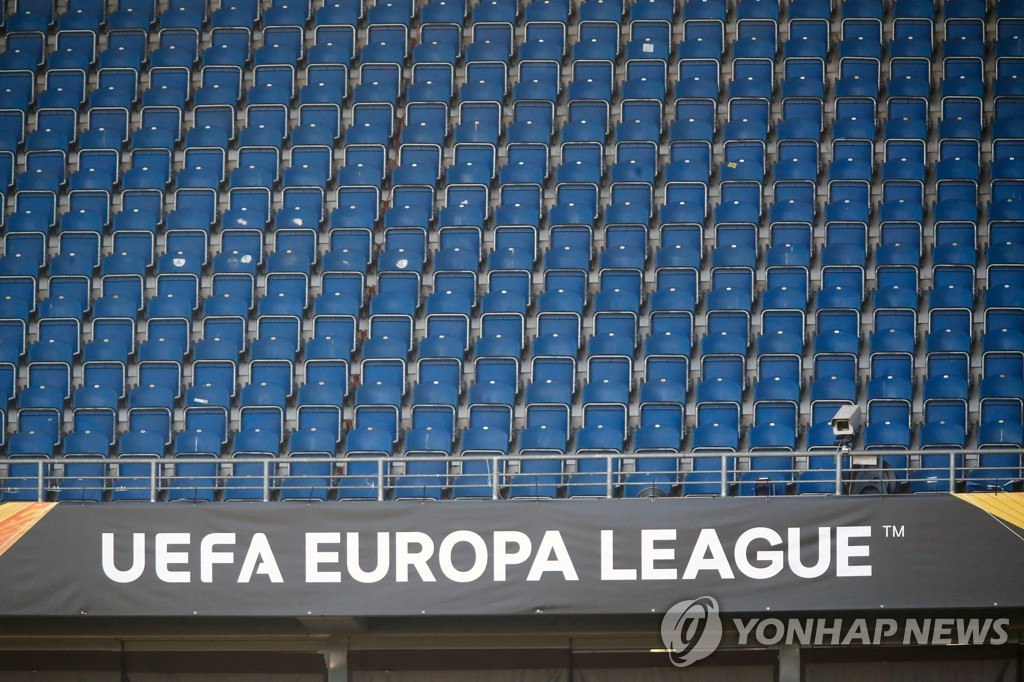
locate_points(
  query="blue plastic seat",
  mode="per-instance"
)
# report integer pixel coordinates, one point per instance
(601, 10)
(804, 77)
(526, 163)
(641, 122)
(609, 380)
(386, 43)
(495, 10)
(334, 41)
(910, 77)
(492, 39)
(907, 118)
(888, 427)
(591, 79)
(835, 377)
(962, 77)
(855, 117)
(778, 378)
(859, 76)
(307, 481)
(390, 12)
(702, 39)
(697, 78)
(598, 39)
(717, 430)
(861, 36)
(179, 39)
(722, 379)
(808, 29)
(748, 119)
(782, 331)
(752, 78)
(912, 37)
(537, 478)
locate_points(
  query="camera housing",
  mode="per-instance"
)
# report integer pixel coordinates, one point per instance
(845, 423)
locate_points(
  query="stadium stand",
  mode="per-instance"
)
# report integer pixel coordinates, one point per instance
(540, 249)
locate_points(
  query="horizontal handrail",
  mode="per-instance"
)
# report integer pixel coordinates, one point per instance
(528, 474)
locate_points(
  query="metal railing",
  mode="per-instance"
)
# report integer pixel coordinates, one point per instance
(494, 475)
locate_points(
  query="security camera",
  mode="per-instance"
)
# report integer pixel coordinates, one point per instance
(845, 423)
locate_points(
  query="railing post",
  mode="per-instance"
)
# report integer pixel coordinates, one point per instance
(380, 479)
(725, 474)
(608, 472)
(41, 486)
(839, 471)
(494, 478)
(266, 480)
(153, 466)
(952, 472)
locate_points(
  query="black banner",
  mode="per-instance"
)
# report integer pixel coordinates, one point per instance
(619, 556)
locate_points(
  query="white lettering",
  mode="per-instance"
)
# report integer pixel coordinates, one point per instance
(708, 541)
(166, 558)
(208, 556)
(352, 558)
(260, 560)
(479, 560)
(406, 558)
(503, 558)
(650, 554)
(794, 550)
(608, 570)
(773, 558)
(314, 557)
(845, 551)
(552, 556)
(138, 559)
